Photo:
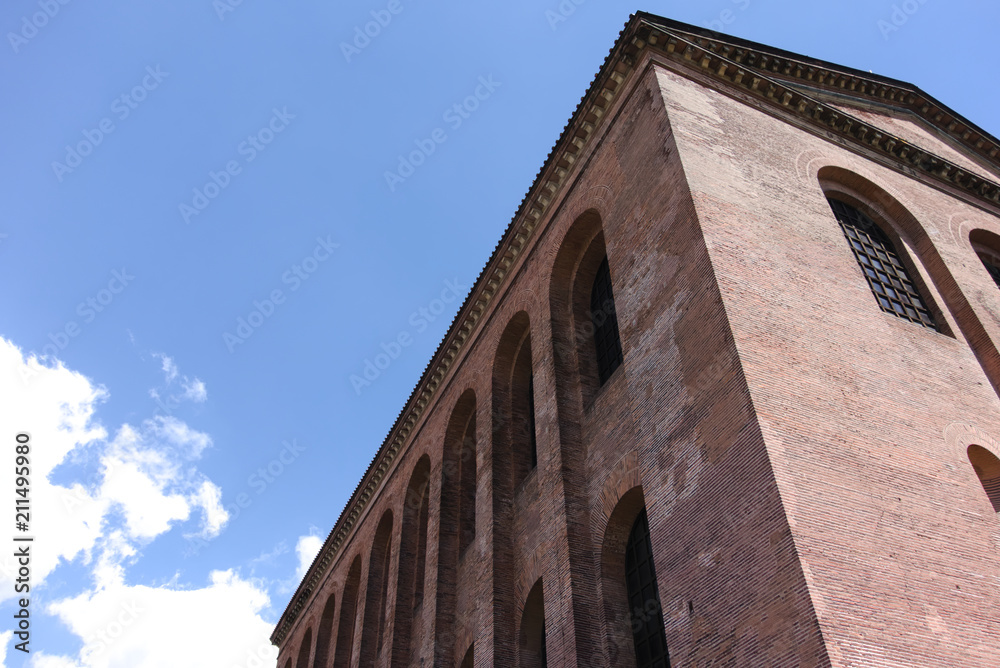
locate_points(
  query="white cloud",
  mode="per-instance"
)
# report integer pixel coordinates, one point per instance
(148, 510)
(194, 390)
(55, 407)
(43, 660)
(169, 368)
(123, 626)
(144, 471)
(177, 434)
(143, 485)
(209, 498)
(269, 557)
(5, 639)
(307, 548)
(145, 474)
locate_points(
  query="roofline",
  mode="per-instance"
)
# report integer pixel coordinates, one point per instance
(588, 114)
(922, 105)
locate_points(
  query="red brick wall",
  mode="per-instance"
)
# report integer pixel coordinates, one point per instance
(866, 417)
(801, 454)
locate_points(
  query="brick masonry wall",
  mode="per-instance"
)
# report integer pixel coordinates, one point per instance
(866, 417)
(799, 452)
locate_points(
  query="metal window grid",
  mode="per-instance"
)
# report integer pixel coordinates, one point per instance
(887, 277)
(644, 598)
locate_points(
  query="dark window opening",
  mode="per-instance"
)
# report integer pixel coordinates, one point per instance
(467, 488)
(531, 421)
(605, 321)
(541, 651)
(881, 264)
(303, 660)
(987, 468)
(470, 657)
(644, 598)
(523, 447)
(382, 600)
(991, 266)
(419, 571)
(532, 652)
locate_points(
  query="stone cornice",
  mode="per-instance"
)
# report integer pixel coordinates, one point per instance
(750, 72)
(765, 74)
(794, 68)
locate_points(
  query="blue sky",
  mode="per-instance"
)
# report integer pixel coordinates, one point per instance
(199, 248)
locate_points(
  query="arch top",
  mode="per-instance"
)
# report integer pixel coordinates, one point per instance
(875, 200)
(987, 468)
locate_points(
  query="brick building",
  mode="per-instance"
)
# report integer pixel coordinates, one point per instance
(727, 387)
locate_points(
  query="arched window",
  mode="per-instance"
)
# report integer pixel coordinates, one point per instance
(470, 657)
(991, 261)
(533, 442)
(456, 518)
(303, 660)
(605, 320)
(882, 266)
(373, 630)
(987, 468)
(467, 487)
(345, 630)
(644, 598)
(325, 632)
(524, 446)
(514, 440)
(412, 559)
(532, 652)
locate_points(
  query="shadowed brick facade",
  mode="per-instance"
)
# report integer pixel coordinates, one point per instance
(820, 476)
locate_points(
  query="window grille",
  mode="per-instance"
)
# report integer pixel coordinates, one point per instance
(644, 598)
(887, 277)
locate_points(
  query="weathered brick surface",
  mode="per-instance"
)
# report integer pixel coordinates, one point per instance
(801, 454)
(866, 417)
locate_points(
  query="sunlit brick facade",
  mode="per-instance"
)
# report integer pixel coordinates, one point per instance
(818, 467)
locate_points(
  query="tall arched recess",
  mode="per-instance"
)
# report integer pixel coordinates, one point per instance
(514, 441)
(304, 649)
(412, 565)
(373, 631)
(629, 588)
(348, 607)
(584, 320)
(987, 247)
(531, 646)
(578, 383)
(511, 434)
(987, 468)
(325, 636)
(457, 517)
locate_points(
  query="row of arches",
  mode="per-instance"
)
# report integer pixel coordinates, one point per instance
(592, 342)
(588, 349)
(631, 594)
(627, 567)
